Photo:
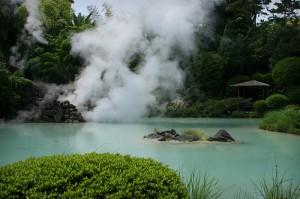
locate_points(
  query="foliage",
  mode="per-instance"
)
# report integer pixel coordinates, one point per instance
(293, 94)
(210, 108)
(276, 101)
(282, 121)
(203, 187)
(260, 107)
(12, 89)
(287, 72)
(231, 91)
(280, 187)
(223, 108)
(195, 133)
(208, 71)
(90, 176)
(11, 25)
(180, 109)
(8, 98)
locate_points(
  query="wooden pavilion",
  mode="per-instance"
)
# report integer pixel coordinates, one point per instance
(253, 84)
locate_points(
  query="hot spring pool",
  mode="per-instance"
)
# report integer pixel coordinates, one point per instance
(235, 165)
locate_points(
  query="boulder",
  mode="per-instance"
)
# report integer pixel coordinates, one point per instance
(222, 136)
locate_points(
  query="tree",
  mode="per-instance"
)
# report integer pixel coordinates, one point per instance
(285, 10)
(208, 73)
(11, 25)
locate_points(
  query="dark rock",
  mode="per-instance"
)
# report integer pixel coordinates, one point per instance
(45, 118)
(68, 121)
(66, 116)
(57, 117)
(186, 138)
(50, 113)
(66, 104)
(171, 135)
(76, 121)
(222, 136)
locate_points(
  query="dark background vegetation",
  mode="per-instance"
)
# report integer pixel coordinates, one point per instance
(233, 45)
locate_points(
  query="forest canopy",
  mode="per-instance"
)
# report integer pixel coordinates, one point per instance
(251, 39)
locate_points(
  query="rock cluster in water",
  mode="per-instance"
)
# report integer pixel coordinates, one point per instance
(61, 111)
(171, 135)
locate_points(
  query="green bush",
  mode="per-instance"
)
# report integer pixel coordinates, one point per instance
(267, 78)
(293, 94)
(223, 108)
(286, 121)
(287, 72)
(260, 107)
(276, 101)
(90, 176)
(257, 77)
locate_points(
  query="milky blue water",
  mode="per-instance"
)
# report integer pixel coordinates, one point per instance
(235, 165)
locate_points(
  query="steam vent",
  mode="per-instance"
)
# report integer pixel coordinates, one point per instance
(61, 111)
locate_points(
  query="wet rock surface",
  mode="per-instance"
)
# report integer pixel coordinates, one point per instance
(222, 136)
(171, 135)
(60, 111)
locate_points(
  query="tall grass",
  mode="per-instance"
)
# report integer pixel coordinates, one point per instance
(279, 188)
(203, 187)
(287, 121)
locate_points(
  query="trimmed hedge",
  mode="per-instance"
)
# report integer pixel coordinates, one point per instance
(293, 94)
(260, 107)
(276, 101)
(287, 72)
(90, 176)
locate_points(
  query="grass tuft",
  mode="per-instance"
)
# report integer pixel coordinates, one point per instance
(203, 187)
(195, 133)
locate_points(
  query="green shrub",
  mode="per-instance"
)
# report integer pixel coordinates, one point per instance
(267, 78)
(223, 108)
(295, 107)
(276, 101)
(90, 176)
(196, 133)
(293, 94)
(257, 77)
(260, 107)
(287, 72)
(286, 121)
(180, 109)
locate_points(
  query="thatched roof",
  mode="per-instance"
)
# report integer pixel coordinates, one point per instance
(252, 83)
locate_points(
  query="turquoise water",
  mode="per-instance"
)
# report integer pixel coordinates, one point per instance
(235, 165)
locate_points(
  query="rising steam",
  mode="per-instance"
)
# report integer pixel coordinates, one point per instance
(34, 24)
(107, 90)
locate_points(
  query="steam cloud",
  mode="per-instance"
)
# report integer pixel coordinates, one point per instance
(106, 89)
(34, 24)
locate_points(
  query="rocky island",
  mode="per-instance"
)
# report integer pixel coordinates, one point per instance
(172, 135)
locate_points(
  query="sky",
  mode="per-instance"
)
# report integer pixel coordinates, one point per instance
(81, 5)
